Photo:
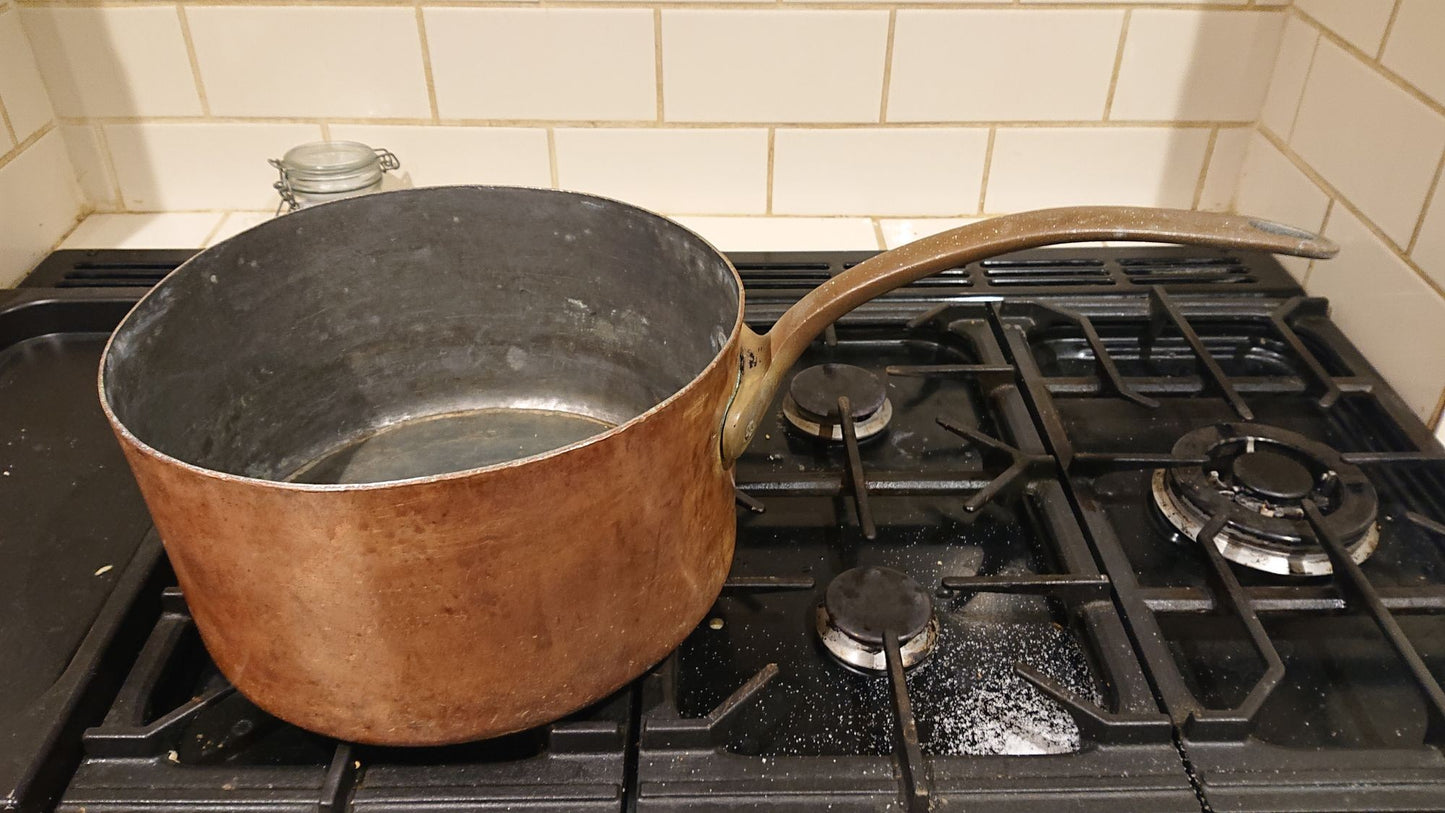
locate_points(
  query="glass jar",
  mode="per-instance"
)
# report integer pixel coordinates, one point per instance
(329, 170)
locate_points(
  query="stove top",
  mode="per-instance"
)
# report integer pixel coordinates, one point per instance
(968, 573)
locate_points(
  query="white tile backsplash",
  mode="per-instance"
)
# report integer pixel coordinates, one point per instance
(693, 171)
(1287, 82)
(113, 60)
(785, 233)
(1062, 166)
(1371, 140)
(433, 156)
(325, 61)
(92, 164)
(39, 202)
(773, 65)
(1359, 22)
(1414, 50)
(966, 65)
(1272, 187)
(21, 89)
(905, 230)
(1386, 309)
(1225, 162)
(765, 124)
(554, 64)
(1172, 3)
(931, 171)
(1196, 65)
(235, 223)
(1429, 249)
(201, 166)
(157, 230)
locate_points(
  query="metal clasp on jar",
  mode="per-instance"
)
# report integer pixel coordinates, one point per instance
(287, 187)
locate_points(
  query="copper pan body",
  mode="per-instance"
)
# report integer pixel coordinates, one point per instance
(362, 432)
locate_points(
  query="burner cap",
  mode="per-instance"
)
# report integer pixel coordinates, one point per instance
(862, 604)
(1260, 477)
(1272, 475)
(811, 404)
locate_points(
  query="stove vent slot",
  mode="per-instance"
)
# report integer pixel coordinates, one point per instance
(949, 277)
(956, 277)
(783, 275)
(1187, 270)
(114, 275)
(1046, 272)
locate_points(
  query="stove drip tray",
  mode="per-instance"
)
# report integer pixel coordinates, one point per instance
(862, 604)
(1260, 478)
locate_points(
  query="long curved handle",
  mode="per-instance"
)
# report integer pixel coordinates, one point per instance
(767, 358)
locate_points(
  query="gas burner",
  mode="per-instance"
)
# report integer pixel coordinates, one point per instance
(861, 604)
(811, 404)
(1262, 476)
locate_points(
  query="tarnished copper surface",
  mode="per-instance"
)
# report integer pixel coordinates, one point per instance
(461, 607)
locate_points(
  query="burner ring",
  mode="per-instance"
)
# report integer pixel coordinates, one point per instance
(829, 428)
(811, 404)
(855, 654)
(1261, 476)
(861, 605)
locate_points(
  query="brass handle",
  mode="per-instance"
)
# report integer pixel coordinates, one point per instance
(767, 358)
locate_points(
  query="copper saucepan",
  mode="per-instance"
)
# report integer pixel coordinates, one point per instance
(442, 464)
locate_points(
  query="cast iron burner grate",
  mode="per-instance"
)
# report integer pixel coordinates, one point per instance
(1082, 659)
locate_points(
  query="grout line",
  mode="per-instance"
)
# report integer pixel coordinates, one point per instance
(926, 216)
(772, 139)
(206, 241)
(119, 199)
(217, 211)
(878, 234)
(652, 123)
(887, 66)
(22, 146)
(987, 166)
(1434, 422)
(1118, 61)
(1425, 210)
(1389, 29)
(1324, 223)
(5, 114)
(325, 130)
(1339, 198)
(657, 58)
(194, 60)
(1204, 168)
(431, 88)
(551, 155)
(9, 127)
(1109, 5)
(1375, 65)
(1304, 86)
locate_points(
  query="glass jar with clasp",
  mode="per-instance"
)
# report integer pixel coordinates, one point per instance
(323, 171)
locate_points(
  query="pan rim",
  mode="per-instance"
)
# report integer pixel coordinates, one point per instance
(727, 349)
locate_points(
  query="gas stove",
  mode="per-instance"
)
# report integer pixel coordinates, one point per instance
(1083, 528)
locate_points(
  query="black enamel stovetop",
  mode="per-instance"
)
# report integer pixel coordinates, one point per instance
(1062, 427)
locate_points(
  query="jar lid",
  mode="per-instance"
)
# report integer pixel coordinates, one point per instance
(331, 166)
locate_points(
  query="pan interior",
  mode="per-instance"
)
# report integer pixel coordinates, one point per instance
(416, 333)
